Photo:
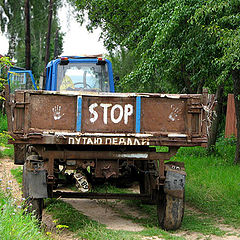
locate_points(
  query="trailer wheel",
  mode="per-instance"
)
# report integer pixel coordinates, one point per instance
(34, 205)
(170, 212)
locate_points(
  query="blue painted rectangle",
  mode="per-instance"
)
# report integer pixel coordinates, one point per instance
(79, 113)
(138, 114)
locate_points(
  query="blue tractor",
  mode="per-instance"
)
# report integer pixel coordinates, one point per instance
(68, 74)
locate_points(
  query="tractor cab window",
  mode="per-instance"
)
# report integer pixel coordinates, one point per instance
(82, 77)
(21, 80)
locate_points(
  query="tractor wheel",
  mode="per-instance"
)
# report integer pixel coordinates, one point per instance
(170, 212)
(34, 205)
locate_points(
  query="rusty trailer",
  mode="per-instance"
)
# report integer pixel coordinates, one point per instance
(94, 137)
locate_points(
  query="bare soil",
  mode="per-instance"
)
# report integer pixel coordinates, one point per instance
(100, 212)
(103, 214)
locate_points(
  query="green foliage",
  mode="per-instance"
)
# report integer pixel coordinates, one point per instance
(4, 67)
(175, 54)
(176, 46)
(14, 224)
(116, 18)
(123, 63)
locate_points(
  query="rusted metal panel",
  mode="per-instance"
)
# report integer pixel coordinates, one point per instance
(19, 114)
(108, 155)
(168, 140)
(27, 113)
(53, 112)
(163, 115)
(54, 118)
(108, 114)
(230, 128)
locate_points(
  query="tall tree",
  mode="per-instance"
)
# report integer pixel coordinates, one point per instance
(56, 44)
(13, 25)
(222, 20)
(27, 36)
(12, 22)
(48, 37)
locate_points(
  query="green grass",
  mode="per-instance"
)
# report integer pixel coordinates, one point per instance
(213, 182)
(17, 173)
(14, 224)
(195, 222)
(8, 150)
(192, 221)
(3, 123)
(85, 228)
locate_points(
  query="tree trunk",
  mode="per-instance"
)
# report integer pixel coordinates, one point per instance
(47, 53)
(212, 138)
(56, 45)
(236, 91)
(27, 36)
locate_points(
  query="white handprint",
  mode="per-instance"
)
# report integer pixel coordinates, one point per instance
(57, 112)
(174, 114)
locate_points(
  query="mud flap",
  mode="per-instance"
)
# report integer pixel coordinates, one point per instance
(175, 181)
(35, 184)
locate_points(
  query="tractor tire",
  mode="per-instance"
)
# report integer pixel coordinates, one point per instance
(170, 212)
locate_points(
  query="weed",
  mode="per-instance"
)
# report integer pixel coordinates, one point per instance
(16, 225)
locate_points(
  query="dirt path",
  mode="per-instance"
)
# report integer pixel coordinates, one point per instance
(103, 214)
(8, 182)
(110, 216)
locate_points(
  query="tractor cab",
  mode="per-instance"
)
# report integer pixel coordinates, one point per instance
(80, 74)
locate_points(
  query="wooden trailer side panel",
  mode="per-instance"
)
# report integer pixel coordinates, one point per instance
(180, 117)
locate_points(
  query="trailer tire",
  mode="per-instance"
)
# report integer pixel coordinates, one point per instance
(32, 205)
(170, 212)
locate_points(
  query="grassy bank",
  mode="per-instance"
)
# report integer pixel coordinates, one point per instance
(213, 182)
(14, 224)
